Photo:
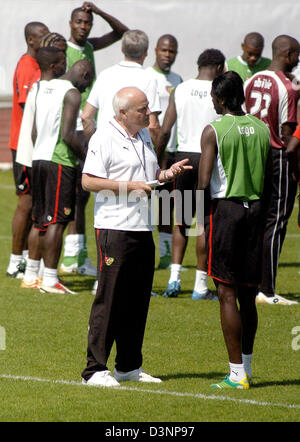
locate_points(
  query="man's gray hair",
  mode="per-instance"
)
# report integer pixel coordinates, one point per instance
(134, 44)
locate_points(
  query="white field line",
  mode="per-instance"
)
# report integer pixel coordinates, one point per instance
(159, 392)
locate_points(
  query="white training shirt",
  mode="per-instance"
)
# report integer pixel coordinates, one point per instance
(166, 82)
(49, 105)
(195, 110)
(114, 155)
(114, 78)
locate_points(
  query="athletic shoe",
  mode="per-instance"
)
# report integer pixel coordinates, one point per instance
(164, 261)
(72, 268)
(58, 288)
(227, 383)
(261, 298)
(30, 285)
(208, 295)
(172, 290)
(135, 375)
(95, 286)
(18, 271)
(103, 379)
(87, 268)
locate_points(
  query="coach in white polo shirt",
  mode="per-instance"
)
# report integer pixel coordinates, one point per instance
(119, 163)
(129, 72)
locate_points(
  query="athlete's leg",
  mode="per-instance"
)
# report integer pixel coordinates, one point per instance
(230, 322)
(248, 312)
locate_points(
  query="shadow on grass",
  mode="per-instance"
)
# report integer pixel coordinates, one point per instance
(289, 264)
(277, 383)
(183, 294)
(212, 375)
(78, 283)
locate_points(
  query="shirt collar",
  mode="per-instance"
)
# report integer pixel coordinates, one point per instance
(74, 46)
(245, 63)
(130, 64)
(121, 129)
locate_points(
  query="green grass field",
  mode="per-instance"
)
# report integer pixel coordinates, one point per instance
(44, 350)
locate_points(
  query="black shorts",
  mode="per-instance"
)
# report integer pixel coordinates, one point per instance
(186, 190)
(53, 193)
(234, 238)
(22, 176)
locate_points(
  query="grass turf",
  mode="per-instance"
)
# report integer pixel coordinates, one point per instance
(45, 349)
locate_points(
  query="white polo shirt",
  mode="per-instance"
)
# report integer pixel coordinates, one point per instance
(114, 155)
(114, 78)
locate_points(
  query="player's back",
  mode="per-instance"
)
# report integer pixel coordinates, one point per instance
(243, 144)
(194, 108)
(49, 108)
(114, 78)
(270, 96)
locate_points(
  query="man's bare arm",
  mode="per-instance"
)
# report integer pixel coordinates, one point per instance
(88, 120)
(72, 102)
(293, 152)
(165, 130)
(105, 40)
(92, 183)
(208, 155)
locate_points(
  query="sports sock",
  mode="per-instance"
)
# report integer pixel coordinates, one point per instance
(200, 285)
(25, 254)
(237, 372)
(32, 270)
(247, 361)
(41, 270)
(50, 277)
(165, 243)
(73, 244)
(14, 260)
(175, 273)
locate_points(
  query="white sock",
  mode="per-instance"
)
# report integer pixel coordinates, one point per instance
(73, 244)
(200, 282)
(50, 277)
(237, 372)
(247, 361)
(42, 266)
(32, 270)
(175, 273)
(165, 243)
(14, 260)
(25, 254)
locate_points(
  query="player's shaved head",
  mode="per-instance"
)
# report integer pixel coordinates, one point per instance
(255, 40)
(79, 10)
(32, 27)
(283, 43)
(81, 74)
(83, 66)
(167, 37)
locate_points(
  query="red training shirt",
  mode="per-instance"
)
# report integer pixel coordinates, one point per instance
(26, 73)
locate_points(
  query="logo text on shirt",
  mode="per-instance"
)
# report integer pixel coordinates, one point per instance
(263, 83)
(246, 130)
